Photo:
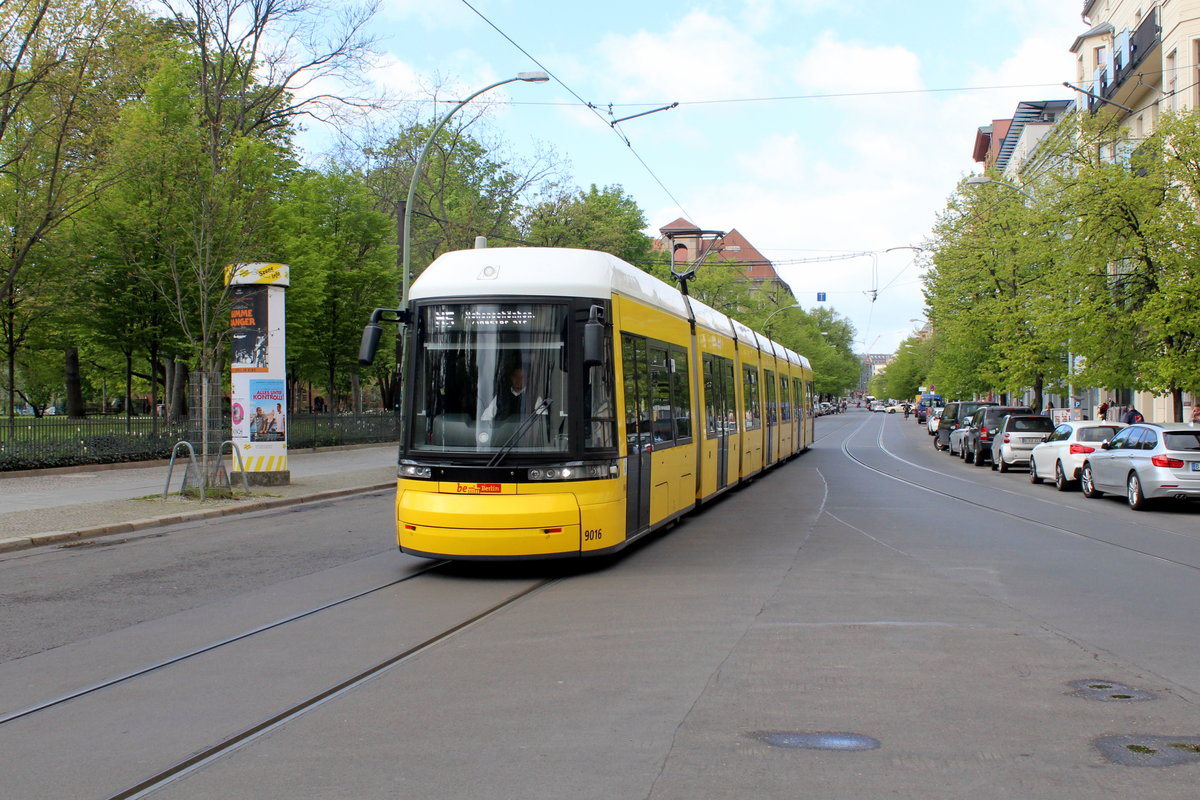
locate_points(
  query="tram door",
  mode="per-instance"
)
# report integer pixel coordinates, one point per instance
(639, 433)
(771, 413)
(720, 409)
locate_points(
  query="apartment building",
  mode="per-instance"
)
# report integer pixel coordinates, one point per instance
(1140, 58)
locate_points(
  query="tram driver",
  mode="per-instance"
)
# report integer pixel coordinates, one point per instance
(513, 401)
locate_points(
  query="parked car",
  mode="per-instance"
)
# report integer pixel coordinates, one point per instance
(933, 418)
(1146, 461)
(1016, 437)
(955, 414)
(1063, 452)
(977, 447)
(956, 440)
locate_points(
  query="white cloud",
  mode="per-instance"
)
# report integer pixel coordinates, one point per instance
(832, 66)
(702, 57)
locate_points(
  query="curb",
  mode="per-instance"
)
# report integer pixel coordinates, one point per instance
(58, 537)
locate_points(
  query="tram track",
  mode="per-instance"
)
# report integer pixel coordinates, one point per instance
(845, 448)
(210, 647)
(210, 753)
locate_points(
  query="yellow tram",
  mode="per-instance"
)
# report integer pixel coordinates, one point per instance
(565, 403)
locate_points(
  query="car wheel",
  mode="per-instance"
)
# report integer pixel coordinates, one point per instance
(1133, 493)
(978, 457)
(1033, 476)
(1060, 477)
(998, 461)
(1085, 482)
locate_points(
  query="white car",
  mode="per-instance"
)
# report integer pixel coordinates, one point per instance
(1061, 456)
(933, 418)
(878, 406)
(1146, 461)
(1016, 437)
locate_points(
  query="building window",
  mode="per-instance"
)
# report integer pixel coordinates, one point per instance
(1172, 79)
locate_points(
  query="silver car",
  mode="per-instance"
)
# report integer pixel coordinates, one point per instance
(1146, 461)
(1016, 437)
(1064, 451)
(933, 418)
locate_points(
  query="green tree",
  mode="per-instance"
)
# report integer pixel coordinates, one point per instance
(599, 219)
(60, 85)
(342, 256)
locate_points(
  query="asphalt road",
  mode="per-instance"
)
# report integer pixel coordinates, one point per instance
(870, 587)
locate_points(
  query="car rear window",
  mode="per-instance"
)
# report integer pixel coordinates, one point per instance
(1042, 424)
(1101, 433)
(1182, 441)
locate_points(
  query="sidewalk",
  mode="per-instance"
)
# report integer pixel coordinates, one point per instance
(81, 502)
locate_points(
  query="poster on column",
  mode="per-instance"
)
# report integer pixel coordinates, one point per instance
(258, 366)
(249, 322)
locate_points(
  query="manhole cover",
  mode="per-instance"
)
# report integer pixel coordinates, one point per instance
(1108, 691)
(1150, 751)
(817, 741)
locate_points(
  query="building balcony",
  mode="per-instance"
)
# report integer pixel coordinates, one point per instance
(1130, 52)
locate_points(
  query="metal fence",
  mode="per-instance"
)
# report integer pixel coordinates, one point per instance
(32, 442)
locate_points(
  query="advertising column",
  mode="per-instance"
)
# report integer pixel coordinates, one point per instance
(259, 372)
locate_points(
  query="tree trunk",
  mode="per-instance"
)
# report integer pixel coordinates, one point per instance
(330, 395)
(74, 381)
(179, 408)
(154, 368)
(129, 391)
(1177, 404)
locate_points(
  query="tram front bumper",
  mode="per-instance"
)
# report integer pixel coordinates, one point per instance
(491, 526)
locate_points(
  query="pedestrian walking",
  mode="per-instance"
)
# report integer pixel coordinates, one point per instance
(1131, 416)
(1102, 411)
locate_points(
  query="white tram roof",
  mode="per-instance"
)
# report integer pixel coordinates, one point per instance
(567, 272)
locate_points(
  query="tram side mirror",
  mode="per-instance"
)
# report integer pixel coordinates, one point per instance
(371, 333)
(593, 339)
(369, 344)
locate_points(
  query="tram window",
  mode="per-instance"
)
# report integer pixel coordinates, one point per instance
(711, 413)
(769, 381)
(660, 393)
(490, 376)
(785, 400)
(753, 417)
(637, 390)
(600, 422)
(728, 401)
(681, 393)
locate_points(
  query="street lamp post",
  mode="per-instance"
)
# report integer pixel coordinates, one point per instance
(528, 77)
(979, 180)
(767, 321)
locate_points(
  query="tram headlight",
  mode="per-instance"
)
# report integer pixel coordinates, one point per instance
(414, 471)
(575, 472)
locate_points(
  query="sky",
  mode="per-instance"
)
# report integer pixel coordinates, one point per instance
(816, 128)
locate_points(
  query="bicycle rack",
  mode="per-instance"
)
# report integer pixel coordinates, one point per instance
(241, 464)
(171, 467)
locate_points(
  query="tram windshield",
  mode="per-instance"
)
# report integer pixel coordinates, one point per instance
(491, 377)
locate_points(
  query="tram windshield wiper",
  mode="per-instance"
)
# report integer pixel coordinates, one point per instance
(540, 411)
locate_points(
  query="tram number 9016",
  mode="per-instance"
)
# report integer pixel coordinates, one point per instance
(593, 535)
